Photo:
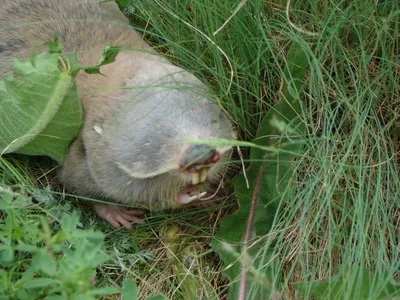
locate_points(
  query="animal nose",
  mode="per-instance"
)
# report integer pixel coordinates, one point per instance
(198, 155)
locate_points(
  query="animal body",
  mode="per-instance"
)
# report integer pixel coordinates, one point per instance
(139, 117)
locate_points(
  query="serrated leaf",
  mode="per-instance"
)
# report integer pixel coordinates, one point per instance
(109, 55)
(55, 46)
(69, 222)
(45, 262)
(34, 118)
(129, 290)
(269, 175)
(74, 64)
(96, 237)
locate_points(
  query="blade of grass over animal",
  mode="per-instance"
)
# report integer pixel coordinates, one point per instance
(269, 176)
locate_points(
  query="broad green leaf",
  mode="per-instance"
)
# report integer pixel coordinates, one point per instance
(27, 248)
(104, 291)
(45, 262)
(40, 112)
(62, 129)
(7, 255)
(23, 294)
(129, 290)
(269, 175)
(34, 118)
(39, 282)
(353, 284)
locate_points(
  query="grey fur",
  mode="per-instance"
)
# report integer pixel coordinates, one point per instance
(138, 118)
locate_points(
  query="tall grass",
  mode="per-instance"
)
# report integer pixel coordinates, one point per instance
(344, 212)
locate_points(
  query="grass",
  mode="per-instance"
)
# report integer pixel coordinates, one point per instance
(344, 212)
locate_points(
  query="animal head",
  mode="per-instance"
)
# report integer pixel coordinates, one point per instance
(158, 137)
(161, 132)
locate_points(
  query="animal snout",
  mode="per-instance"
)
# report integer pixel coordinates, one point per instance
(198, 156)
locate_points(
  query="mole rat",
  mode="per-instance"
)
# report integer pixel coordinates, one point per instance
(140, 115)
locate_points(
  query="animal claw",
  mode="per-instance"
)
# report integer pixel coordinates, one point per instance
(118, 215)
(186, 199)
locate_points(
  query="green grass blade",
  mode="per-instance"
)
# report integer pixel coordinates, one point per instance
(269, 176)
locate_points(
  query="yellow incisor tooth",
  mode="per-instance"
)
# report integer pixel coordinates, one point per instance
(203, 175)
(195, 178)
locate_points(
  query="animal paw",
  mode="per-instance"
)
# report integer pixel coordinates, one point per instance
(118, 215)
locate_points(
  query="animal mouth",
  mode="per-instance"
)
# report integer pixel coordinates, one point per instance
(196, 162)
(199, 176)
(193, 191)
